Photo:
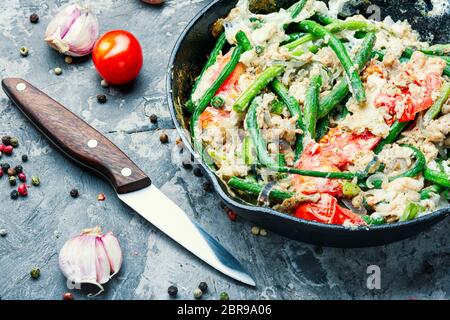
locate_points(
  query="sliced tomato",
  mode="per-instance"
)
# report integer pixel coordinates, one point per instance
(327, 210)
(233, 79)
(212, 116)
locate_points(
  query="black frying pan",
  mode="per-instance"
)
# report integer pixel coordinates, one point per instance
(188, 57)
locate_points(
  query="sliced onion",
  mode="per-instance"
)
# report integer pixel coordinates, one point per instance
(377, 177)
(348, 203)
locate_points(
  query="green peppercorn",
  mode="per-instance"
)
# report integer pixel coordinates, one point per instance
(198, 293)
(14, 142)
(224, 296)
(14, 194)
(35, 181)
(35, 273)
(23, 51)
(24, 158)
(12, 180)
(172, 291)
(19, 169)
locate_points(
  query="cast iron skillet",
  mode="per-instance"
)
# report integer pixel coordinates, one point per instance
(187, 58)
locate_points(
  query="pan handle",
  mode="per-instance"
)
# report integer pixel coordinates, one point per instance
(76, 138)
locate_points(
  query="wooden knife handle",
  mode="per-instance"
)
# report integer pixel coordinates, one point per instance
(75, 137)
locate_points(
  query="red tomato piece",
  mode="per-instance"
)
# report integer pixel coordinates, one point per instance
(118, 57)
(212, 116)
(233, 79)
(327, 210)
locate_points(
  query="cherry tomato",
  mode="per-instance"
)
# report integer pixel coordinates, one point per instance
(118, 57)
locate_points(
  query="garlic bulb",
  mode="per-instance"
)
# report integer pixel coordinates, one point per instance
(91, 258)
(73, 31)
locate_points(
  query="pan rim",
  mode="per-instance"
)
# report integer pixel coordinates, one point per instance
(440, 213)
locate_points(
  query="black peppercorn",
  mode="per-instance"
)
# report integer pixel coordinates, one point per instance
(101, 98)
(5, 166)
(186, 164)
(153, 118)
(34, 18)
(14, 194)
(198, 172)
(24, 158)
(172, 291)
(6, 140)
(203, 286)
(19, 169)
(207, 187)
(74, 193)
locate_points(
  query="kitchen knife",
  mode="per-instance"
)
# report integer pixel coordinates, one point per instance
(90, 148)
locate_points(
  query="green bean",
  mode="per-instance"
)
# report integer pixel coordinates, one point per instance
(312, 105)
(340, 90)
(281, 160)
(437, 49)
(209, 94)
(439, 178)
(323, 19)
(334, 27)
(323, 125)
(259, 84)
(342, 54)
(418, 166)
(292, 37)
(378, 220)
(411, 211)
(436, 108)
(319, 174)
(248, 151)
(190, 105)
(243, 41)
(255, 189)
(394, 132)
(297, 8)
(426, 193)
(255, 133)
(294, 109)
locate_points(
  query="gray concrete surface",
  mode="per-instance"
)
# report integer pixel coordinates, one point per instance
(40, 224)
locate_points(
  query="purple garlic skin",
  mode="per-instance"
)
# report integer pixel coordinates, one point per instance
(73, 31)
(91, 258)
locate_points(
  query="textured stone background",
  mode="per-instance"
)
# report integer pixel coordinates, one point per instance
(39, 225)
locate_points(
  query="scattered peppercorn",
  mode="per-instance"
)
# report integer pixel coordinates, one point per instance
(6, 140)
(186, 164)
(68, 59)
(263, 232)
(163, 137)
(68, 296)
(172, 291)
(57, 71)
(23, 51)
(104, 83)
(8, 149)
(19, 169)
(101, 197)
(14, 142)
(11, 172)
(22, 177)
(24, 158)
(74, 193)
(230, 213)
(23, 190)
(35, 273)
(35, 181)
(14, 195)
(255, 231)
(198, 293)
(207, 187)
(101, 98)
(3, 232)
(178, 141)
(153, 118)
(34, 18)
(198, 172)
(224, 296)
(12, 180)
(203, 286)
(428, 267)
(5, 166)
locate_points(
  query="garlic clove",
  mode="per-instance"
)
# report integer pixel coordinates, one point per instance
(102, 263)
(113, 251)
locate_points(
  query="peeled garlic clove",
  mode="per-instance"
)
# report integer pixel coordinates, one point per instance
(91, 258)
(114, 252)
(73, 31)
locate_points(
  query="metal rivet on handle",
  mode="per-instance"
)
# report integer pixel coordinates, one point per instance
(21, 86)
(92, 143)
(126, 172)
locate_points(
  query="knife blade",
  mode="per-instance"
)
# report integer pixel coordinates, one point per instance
(90, 148)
